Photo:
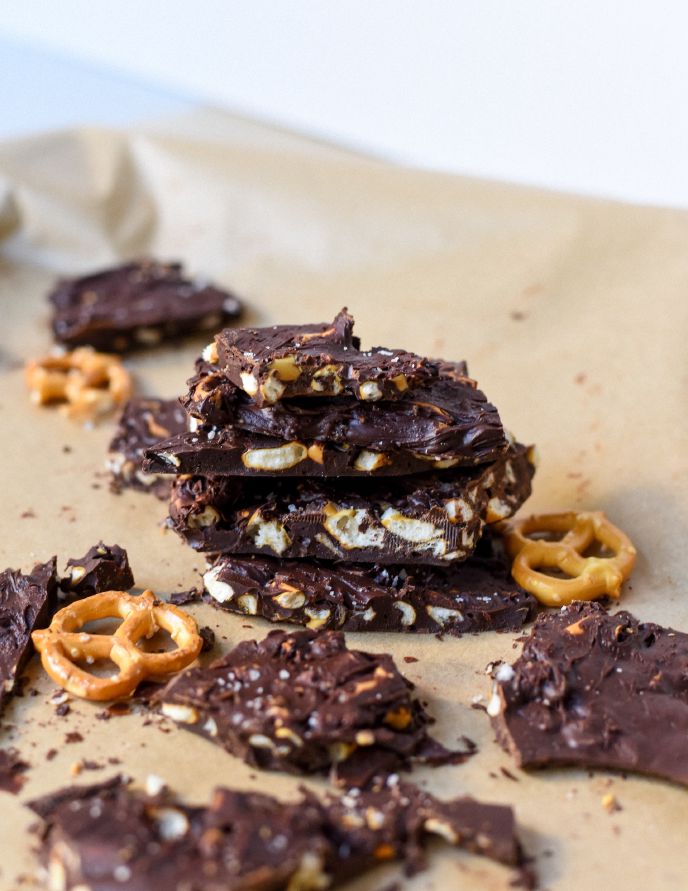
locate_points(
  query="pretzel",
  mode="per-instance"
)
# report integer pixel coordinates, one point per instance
(88, 383)
(63, 642)
(590, 577)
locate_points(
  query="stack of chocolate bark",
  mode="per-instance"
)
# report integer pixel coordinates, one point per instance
(344, 488)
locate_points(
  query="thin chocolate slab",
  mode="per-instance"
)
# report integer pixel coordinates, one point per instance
(305, 703)
(592, 689)
(477, 595)
(102, 568)
(142, 424)
(434, 518)
(26, 603)
(108, 836)
(232, 452)
(450, 420)
(283, 361)
(138, 304)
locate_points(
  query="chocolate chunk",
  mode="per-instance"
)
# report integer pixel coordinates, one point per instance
(138, 304)
(12, 770)
(231, 452)
(477, 595)
(305, 703)
(432, 518)
(102, 568)
(142, 424)
(315, 360)
(597, 690)
(449, 420)
(106, 836)
(26, 603)
(208, 637)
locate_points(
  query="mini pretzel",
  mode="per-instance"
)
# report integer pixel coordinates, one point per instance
(88, 383)
(590, 577)
(63, 643)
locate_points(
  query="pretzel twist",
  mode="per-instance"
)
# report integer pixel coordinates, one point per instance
(589, 577)
(87, 383)
(63, 643)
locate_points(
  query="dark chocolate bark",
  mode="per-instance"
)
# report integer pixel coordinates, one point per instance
(597, 690)
(477, 595)
(102, 568)
(232, 452)
(449, 420)
(26, 603)
(142, 424)
(138, 304)
(434, 518)
(303, 702)
(107, 836)
(282, 361)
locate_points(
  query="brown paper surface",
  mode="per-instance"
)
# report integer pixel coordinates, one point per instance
(572, 314)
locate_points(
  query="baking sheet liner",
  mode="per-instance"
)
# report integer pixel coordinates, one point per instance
(573, 316)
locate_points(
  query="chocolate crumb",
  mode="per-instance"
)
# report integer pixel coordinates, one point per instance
(410, 659)
(508, 774)
(208, 637)
(73, 737)
(181, 598)
(50, 754)
(12, 768)
(63, 709)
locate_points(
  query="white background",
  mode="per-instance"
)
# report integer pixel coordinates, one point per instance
(584, 95)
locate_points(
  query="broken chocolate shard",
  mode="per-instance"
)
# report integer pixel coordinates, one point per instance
(109, 836)
(138, 304)
(473, 596)
(102, 568)
(305, 703)
(27, 603)
(435, 518)
(284, 361)
(142, 424)
(596, 690)
(449, 421)
(231, 452)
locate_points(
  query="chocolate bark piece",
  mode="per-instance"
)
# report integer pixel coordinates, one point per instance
(315, 360)
(102, 568)
(477, 595)
(232, 452)
(142, 424)
(434, 518)
(109, 836)
(27, 602)
(592, 689)
(305, 703)
(137, 304)
(450, 420)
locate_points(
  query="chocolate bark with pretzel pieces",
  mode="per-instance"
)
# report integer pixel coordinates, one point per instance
(232, 452)
(449, 421)
(305, 703)
(142, 424)
(138, 304)
(108, 836)
(592, 689)
(477, 595)
(324, 359)
(434, 518)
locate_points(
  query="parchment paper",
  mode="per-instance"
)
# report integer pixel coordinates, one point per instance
(572, 314)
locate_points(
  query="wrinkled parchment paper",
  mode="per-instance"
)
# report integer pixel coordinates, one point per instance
(573, 316)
